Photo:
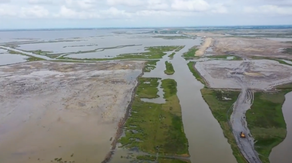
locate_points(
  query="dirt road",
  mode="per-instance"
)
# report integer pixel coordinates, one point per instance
(238, 121)
(207, 43)
(26, 53)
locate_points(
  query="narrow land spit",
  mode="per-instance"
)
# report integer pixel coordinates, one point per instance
(207, 43)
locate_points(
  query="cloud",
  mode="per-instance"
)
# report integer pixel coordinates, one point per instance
(5, 1)
(7, 10)
(115, 13)
(219, 9)
(125, 2)
(40, 1)
(157, 4)
(190, 5)
(143, 12)
(68, 13)
(33, 12)
(268, 9)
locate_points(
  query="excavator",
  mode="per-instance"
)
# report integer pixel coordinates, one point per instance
(242, 135)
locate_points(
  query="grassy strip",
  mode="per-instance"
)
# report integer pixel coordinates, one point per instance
(155, 52)
(171, 55)
(220, 110)
(146, 157)
(148, 88)
(191, 53)
(196, 74)
(169, 68)
(168, 160)
(225, 57)
(266, 122)
(156, 128)
(150, 65)
(283, 62)
(179, 48)
(30, 58)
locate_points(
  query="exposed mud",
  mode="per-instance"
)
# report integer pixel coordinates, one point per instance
(67, 111)
(250, 47)
(260, 74)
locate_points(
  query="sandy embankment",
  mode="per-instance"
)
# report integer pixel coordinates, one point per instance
(67, 111)
(207, 43)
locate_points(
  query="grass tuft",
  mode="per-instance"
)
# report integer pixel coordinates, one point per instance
(169, 68)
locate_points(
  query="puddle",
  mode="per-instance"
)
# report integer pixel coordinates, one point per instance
(160, 99)
(282, 152)
(11, 58)
(230, 57)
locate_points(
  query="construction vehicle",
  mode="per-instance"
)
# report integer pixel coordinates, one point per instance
(242, 135)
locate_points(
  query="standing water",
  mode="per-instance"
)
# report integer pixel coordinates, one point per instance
(206, 140)
(207, 143)
(282, 152)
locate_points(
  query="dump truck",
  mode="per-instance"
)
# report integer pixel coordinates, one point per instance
(242, 135)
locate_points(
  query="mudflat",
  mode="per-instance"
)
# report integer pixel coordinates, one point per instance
(52, 112)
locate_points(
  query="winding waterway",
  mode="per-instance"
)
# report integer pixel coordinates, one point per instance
(282, 152)
(207, 143)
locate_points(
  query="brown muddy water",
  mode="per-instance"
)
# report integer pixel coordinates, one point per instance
(282, 152)
(207, 143)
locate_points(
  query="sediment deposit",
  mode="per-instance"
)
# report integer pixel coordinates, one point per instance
(51, 111)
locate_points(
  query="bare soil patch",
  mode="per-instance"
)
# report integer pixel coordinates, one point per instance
(69, 111)
(262, 74)
(207, 43)
(250, 47)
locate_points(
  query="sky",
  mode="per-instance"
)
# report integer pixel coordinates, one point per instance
(34, 14)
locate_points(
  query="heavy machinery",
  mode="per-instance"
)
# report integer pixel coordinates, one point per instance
(242, 135)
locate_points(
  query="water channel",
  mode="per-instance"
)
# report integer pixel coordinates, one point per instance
(207, 143)
(282, 152)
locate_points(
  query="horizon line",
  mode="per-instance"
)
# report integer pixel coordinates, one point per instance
(203, 26)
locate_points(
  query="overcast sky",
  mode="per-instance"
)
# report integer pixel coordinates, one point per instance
(142, 13)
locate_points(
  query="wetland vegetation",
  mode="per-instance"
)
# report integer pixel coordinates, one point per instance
(169, 68)
(155, 52)
(265, 118)
(156, 128)
(196, 74)
(221, 110)
(171, 55)
(191, 53)
(266, 122)
(30, 58)
(150, 65)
